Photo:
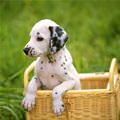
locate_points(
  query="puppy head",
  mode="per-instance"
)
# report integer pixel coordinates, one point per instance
(45, 36)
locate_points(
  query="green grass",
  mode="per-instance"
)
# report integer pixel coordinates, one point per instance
(93, 28)
(10, 100)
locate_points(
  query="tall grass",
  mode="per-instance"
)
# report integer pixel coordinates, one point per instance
(94, 39)
(10, 104)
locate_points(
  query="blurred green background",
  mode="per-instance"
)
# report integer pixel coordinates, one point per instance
(93, 27)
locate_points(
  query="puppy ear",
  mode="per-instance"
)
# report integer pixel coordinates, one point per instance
(58, 38)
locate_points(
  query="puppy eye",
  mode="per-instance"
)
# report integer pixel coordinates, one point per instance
(40, 39)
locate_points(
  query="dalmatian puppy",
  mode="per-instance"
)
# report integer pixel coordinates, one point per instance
(54, 69)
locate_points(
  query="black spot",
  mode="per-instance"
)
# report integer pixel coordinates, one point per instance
(56, 93)
(41, 62)
(38, 33)
(61, 65)
(64, 68)
(62, 105)
(52, 75)
(54, 40)
(65, 58)
(57, 43)
(65, 73)
(59, 31)
(51, 31)
(41, 68)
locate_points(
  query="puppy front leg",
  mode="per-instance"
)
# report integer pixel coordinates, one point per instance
(58, 91)
(29, 99)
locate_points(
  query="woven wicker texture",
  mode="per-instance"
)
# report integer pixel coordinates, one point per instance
(99, 98)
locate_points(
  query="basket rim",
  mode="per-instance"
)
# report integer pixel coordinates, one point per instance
(79, 91)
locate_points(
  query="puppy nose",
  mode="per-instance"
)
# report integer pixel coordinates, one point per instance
(26, 50)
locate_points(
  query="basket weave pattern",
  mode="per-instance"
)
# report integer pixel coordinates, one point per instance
(99, 98)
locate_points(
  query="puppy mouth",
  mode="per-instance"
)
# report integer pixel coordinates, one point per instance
(33, 53)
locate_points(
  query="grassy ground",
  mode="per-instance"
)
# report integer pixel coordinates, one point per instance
(93, 28)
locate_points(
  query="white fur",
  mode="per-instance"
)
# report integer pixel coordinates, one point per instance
(56, 76)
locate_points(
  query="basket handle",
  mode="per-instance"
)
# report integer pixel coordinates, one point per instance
(113, 74)
(26, 75)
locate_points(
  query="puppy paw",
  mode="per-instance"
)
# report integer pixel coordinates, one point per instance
(58, 107)
(29, 102)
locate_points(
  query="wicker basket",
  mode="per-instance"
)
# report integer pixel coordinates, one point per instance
(99, 98)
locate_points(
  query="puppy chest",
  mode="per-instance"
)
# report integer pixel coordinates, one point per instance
(49, 79)
(47, 74)
(45, 69)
